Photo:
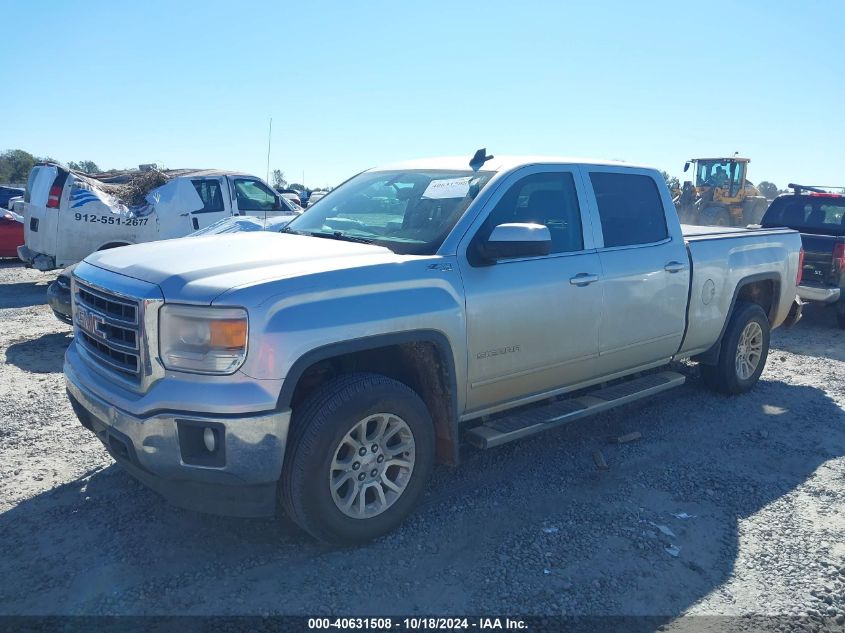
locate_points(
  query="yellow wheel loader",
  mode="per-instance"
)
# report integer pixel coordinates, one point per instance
(719, 195)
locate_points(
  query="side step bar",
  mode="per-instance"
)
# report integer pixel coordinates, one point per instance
(539, 418)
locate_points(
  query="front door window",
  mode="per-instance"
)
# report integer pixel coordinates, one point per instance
(252, 195)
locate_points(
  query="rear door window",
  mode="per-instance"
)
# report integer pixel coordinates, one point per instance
(210, 193)
(630, 209)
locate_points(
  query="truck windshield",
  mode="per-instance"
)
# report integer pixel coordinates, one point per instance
(809, 214)
(409, 212)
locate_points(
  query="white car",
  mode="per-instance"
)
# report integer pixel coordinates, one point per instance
(244, 224)
(315, 196)
(294, 199)
(15, 203)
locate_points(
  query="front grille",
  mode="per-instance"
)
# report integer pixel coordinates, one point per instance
(117, 307)
(109, 329)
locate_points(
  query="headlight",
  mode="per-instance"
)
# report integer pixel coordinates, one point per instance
(202, 340)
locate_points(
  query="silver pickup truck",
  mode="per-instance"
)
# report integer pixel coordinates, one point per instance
(416, 307)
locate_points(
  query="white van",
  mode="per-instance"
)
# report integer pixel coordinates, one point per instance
(69, 215)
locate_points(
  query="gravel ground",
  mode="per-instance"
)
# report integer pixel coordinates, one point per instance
(726, 505)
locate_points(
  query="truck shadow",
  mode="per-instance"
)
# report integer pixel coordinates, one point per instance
(42, 355)
(532, 527)
(817, 334)
(23, 294)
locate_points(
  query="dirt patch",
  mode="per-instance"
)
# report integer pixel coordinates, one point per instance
(723, 505)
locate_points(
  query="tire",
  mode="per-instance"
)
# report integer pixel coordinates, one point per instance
(840, 313)
(324, 431)
(714, 216)
(753, 212)
(729, 375)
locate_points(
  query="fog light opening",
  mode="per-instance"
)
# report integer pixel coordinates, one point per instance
(209, 439)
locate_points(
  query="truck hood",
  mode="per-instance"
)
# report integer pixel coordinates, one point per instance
(199, 269)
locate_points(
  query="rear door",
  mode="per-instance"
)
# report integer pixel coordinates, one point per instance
(45, 186)
(645, 268)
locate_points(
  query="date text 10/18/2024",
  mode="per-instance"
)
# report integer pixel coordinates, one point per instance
(417, 623)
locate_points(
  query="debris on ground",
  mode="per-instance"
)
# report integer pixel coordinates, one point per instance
(628, 437)
(601, 462)
(663, 529)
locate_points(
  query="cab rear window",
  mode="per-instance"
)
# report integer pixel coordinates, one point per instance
(808, 214)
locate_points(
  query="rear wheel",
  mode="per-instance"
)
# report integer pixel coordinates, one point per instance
(743, 352)
(714, 216)
(840, 313)
(360, 452)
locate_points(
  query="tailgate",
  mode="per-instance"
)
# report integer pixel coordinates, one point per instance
(818, 258)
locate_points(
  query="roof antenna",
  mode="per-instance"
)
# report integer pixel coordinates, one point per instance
(480, 157)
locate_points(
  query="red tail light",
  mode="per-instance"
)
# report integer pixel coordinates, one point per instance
(800, 267)
(54, 196)
(839, 257)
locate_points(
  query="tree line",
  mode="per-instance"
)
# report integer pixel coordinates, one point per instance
(15, 165)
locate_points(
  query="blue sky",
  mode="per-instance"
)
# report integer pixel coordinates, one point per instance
(354, 84)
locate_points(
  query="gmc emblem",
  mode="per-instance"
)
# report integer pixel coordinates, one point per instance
(90, 322)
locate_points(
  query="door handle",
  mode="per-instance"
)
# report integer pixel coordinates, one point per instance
(583, 279)
(184, 215)
(674, 267)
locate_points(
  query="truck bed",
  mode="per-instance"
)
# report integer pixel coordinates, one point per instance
(721, 257)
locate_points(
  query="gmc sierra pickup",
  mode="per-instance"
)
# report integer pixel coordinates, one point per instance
(416, 307)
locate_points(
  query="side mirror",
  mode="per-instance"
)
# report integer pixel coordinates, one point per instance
(686, 167)
(508, 241)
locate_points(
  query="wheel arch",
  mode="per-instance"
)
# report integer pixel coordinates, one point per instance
(113, 244)
(762, 289)
(421, 359)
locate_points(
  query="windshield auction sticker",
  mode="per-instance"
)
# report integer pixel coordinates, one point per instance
(447, 188)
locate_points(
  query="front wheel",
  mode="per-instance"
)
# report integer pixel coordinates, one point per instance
(360, 452)
(743, 352)
(714, 216)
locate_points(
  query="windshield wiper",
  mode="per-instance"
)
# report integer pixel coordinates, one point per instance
(338, 235)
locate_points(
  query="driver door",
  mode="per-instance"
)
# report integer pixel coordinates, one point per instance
(253, 197)
(533, 323)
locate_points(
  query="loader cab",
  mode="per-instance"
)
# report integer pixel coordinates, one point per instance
(725, 174)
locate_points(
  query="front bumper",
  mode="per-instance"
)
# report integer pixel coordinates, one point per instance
(820, 294)
(166, 452)
(58, 298)
(32, 259)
